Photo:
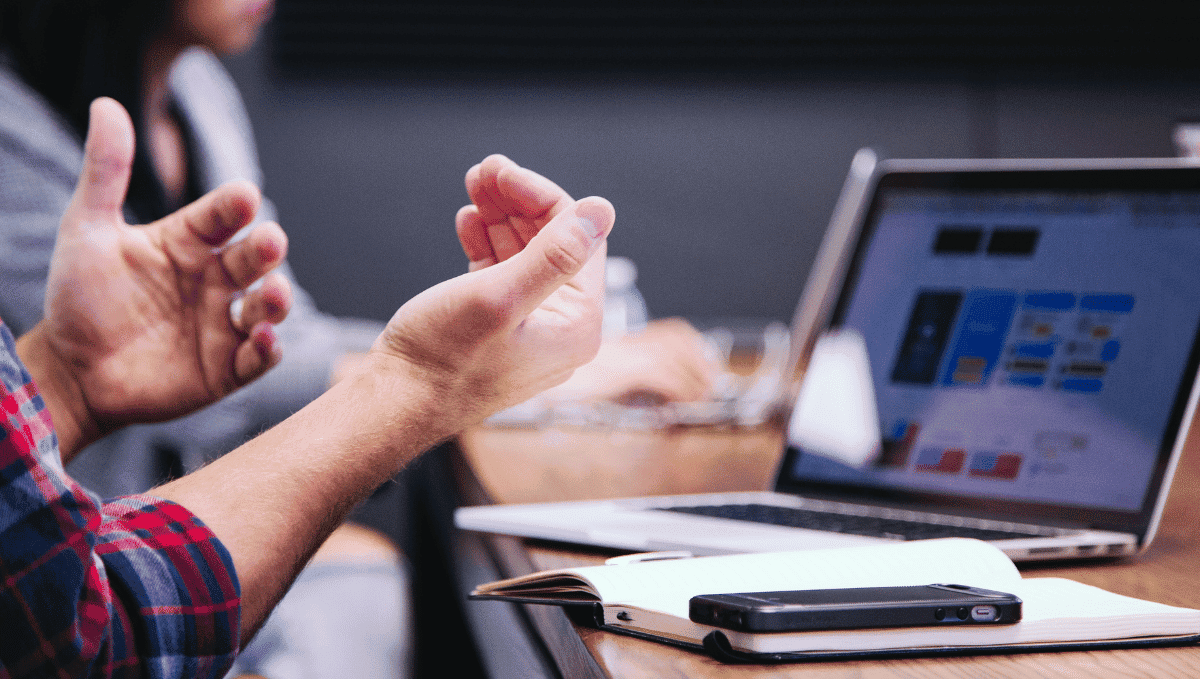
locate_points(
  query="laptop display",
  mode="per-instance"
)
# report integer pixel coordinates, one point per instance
(1024, 336)
(1031, 338)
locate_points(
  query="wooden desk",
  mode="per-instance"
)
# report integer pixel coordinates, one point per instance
(527, 466)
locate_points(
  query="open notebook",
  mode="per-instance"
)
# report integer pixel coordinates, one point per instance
(650, 600)
(1021, 340)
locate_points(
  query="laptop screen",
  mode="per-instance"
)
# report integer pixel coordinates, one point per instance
(1031, 340)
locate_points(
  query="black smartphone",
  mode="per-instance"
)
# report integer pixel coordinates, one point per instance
(855, 608)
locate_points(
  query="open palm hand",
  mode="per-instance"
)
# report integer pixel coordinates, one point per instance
(138, 317)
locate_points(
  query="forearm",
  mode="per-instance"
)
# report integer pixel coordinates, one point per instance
(68, 409)
(274, 500)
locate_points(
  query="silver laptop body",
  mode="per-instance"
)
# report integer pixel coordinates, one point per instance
(1029, 334)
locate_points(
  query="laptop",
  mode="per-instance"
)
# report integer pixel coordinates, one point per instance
(1027, 333)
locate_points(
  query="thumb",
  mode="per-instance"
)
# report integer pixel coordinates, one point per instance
(561, 252)
(107, 160)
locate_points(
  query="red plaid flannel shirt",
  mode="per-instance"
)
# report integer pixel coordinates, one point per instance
(137, 587)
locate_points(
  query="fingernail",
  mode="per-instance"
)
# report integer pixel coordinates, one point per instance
(592, 218)
(267, 341)
(235, 312)
(589, 227)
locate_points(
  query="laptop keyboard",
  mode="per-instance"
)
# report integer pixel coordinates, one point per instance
(873, 526)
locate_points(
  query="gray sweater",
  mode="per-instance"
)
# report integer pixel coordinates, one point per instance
(40, 161)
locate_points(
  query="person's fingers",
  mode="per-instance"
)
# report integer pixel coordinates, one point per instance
(685, 345)
(219, 214)
(532, 199)
(190, 234)
(269, 302)
(258, 353)
(503, 190)
(247, 260)
(107, 161)
(473, 177)
(493, 213)
(512, 204)
(563, 250)
(474, 184)
(504, 240)
(531, 194)
(675, 380)
(655, 392)
(694, 383)
(498, 206)
(672, 326)
(472, 234)
(688, 350)
(496, 212)
(671, 370)
(483, 191)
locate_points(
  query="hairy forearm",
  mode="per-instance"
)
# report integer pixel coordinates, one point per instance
(275, 499)
(68, 408)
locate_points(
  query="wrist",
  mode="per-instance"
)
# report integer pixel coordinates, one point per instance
(415, 401)
(73, 422)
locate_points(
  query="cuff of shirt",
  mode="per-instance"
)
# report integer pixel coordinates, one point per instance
(177, 584)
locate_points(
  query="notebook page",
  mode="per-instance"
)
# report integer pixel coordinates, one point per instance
(668, 585)
(1060, 609)
(1056, 610)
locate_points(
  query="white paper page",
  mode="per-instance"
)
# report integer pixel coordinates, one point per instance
(667, 586)
(1056, 606)
(1055, 610)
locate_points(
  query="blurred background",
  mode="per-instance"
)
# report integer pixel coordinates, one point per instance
(722, 131)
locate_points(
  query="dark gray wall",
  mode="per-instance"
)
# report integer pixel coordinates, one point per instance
(723, 184)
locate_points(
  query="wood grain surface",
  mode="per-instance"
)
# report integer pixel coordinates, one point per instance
(515, 465)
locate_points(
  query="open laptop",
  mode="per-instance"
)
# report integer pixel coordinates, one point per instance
(1029, 329)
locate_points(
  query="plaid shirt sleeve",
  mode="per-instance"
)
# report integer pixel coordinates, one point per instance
(138, 587)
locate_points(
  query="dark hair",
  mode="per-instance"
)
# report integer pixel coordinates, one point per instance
(72, 51)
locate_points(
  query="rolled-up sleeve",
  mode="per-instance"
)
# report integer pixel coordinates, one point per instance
(138, 587)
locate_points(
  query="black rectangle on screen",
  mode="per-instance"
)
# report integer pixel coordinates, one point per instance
(1020, 242)
(958, 240)
(925, 339)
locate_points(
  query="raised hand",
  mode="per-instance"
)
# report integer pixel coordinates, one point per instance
(137, 321)
(509, 205)
(529, 311)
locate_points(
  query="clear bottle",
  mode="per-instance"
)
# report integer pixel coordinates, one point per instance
(624, 307)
